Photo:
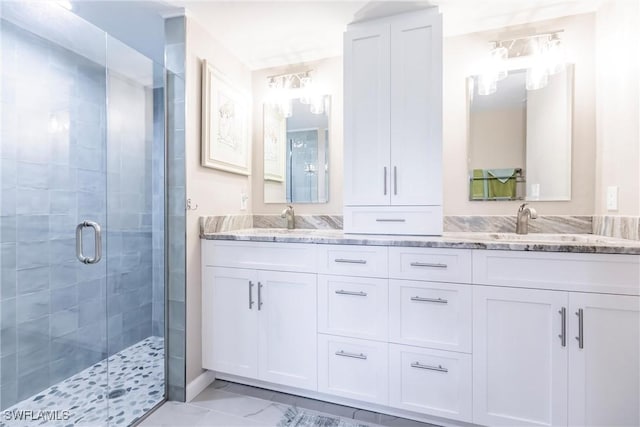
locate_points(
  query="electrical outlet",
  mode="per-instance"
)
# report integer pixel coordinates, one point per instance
(244, 198)
(612, 198)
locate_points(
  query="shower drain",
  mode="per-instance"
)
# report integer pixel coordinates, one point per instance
(114, 394)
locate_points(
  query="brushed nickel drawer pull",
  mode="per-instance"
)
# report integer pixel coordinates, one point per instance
(352, 355)
(438, 368)
(350, 261)
(563, 326)
(385, 180)
(358, 294)
(428, 264)
(580, 337)
(391, 220)
(436, 300)
(250, 294)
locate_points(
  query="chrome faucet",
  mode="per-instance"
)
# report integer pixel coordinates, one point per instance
(290, 215)
(524, 215)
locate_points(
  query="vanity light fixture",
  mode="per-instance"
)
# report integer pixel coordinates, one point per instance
(285, 87)
(544, 54)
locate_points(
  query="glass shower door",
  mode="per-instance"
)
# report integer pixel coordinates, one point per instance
(135, 221)
(53, 313)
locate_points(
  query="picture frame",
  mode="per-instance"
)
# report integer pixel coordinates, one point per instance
(226, 144)
(275, 135)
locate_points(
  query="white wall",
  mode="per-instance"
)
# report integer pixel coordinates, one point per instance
(461, 54)
(327, 75)
(216, 192)
(618, 101)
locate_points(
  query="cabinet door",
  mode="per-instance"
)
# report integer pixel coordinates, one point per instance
(366, 116)
(604, 375)
(416, 110)
(287, 343)
(230, 321)
(519, 362)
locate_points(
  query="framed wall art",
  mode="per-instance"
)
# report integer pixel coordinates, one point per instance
(225, 123)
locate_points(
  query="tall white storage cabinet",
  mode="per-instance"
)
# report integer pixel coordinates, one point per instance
(393, 125)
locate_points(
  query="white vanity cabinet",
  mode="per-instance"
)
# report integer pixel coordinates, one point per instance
(551, 357)
(393, 125)
(258, 323)
(445, 336)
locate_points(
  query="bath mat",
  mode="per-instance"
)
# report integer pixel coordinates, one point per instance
(295, 417)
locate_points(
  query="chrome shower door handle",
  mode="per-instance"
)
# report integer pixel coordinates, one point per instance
(98, 243)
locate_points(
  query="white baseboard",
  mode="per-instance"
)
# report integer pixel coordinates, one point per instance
(196, 386)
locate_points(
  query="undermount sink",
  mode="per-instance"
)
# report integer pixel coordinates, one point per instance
(533, 237)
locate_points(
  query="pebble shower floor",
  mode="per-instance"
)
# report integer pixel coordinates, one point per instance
(139, 370)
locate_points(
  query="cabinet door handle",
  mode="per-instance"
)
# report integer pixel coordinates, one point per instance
(259, 296)
(395, 181)
(428, 264)
(580, 337)
(250, 294)
(436, 300)
(350, 261)
(390, 219)
(358, 294)
(343, 353)
(438, 368)
(385, 181)
(563, 326)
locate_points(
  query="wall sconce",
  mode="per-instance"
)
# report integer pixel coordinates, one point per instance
(285, 87)
(544, 52)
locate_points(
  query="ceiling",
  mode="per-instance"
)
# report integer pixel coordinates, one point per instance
(265, 34)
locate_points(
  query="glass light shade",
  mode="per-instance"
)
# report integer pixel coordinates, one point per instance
(316, 106)
(555, 56)
(537, 77)
(286, 107)
(487, 84)
(305, 90)
(499, 57)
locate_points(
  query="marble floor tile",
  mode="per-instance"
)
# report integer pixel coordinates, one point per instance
(229, 404)
(176, 414)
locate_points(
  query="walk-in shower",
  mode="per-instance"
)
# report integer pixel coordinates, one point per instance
(82, 222)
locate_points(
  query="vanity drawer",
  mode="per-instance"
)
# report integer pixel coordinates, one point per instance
(430, 382)
(368, 261)
(353, 306)
(296, 257)
(439, 265)
(601, 273)
(407, 220)
(427, 314)
(353, 368)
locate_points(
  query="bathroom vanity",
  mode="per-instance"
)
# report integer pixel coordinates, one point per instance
(475, 328)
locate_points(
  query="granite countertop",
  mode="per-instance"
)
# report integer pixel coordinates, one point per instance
(576, 243)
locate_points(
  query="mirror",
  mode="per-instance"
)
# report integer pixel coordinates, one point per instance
(520, 140)
(296, 154)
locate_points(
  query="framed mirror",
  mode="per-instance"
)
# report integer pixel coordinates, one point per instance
(520, 140)
(296, 153)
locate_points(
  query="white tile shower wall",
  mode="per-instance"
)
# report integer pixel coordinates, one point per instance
(53, 173)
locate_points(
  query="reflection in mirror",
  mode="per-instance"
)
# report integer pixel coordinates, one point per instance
(520, 140)
(296, 153)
